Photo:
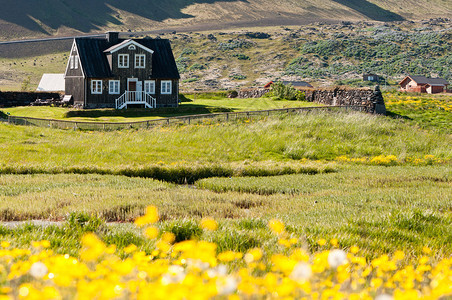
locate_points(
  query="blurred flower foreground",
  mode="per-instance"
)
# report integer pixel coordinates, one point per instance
(193, 269)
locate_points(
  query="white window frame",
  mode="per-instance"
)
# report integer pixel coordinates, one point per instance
(114, 87)
(140, 58)
(71, 62)
(149, 86)
(166, 87)
(96, 87)
(76, 62)
(125, 59)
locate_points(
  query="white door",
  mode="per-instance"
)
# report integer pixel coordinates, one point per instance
(139, 90)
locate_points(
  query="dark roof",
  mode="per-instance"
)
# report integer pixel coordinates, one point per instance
(426, 80)
(95, 64)
(92, 58)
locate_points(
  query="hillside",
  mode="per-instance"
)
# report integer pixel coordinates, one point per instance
(230, 59)
(21, 18)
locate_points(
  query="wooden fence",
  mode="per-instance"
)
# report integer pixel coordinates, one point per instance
(189, 119)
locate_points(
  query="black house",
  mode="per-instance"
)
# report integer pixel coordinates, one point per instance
(116, 73)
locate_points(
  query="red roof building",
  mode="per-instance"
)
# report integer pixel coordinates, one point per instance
(422, 84)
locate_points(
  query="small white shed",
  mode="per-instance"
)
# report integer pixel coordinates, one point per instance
(51, 83)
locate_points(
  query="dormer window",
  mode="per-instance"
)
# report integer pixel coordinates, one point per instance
(123, 60)
(140, 60)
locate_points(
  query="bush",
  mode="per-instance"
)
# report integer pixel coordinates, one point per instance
(287, 92)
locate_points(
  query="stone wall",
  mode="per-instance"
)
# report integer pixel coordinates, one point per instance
(11, 99)
(252, 93)
(372, 99)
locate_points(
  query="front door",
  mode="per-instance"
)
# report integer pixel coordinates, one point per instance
(132, 88)
(139, 89)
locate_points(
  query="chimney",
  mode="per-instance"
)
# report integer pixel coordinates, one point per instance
(112, 37)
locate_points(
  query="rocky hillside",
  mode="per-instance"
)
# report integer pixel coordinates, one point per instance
(323, 54)
(23, 18)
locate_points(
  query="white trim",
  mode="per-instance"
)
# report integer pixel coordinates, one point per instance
(134, 43)
(151, 84)
(164, 87)
(144, 61)
(74, 46)
(129, 80)
(119, 60)
(94, 89)
(115, 84)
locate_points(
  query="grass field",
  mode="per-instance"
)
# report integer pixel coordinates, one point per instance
(196, 106)
(413, 204)
(337, 180)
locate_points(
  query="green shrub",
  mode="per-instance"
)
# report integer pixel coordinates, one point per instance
(286, 92)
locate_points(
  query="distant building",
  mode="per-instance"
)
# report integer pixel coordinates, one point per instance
(116, 73)
(51, 83)
(295, 84)
(422, 84)
(371, 77)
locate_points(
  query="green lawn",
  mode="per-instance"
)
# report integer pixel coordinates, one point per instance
(198, 106)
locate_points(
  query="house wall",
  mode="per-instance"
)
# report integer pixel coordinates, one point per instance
(74, 80)
(104, 100)
(171, 100)
(75, 86)
(435, 89)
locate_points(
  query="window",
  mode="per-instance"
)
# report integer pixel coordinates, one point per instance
(132, 47)
(149, 86)
(123, 60)
(71, 62)
(96, 86)
(113, 87)
(76, 62)
(140, 60)
(166, 87)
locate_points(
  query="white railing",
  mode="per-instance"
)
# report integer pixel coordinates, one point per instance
(135, 98)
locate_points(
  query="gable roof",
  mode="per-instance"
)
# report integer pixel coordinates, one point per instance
(125, 44)
(426, 80)
(95, 64)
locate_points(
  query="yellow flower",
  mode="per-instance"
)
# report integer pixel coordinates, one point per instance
(150, 217)
(321, 242)
(253, 255)
(334, 242)
(276, 226)
(426, 250)
(151, 232)
(209, 224)
(354, 249)
(168, 237)
(229, 256)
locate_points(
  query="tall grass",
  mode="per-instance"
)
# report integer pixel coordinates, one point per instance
(314, 136)
(381, 209)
